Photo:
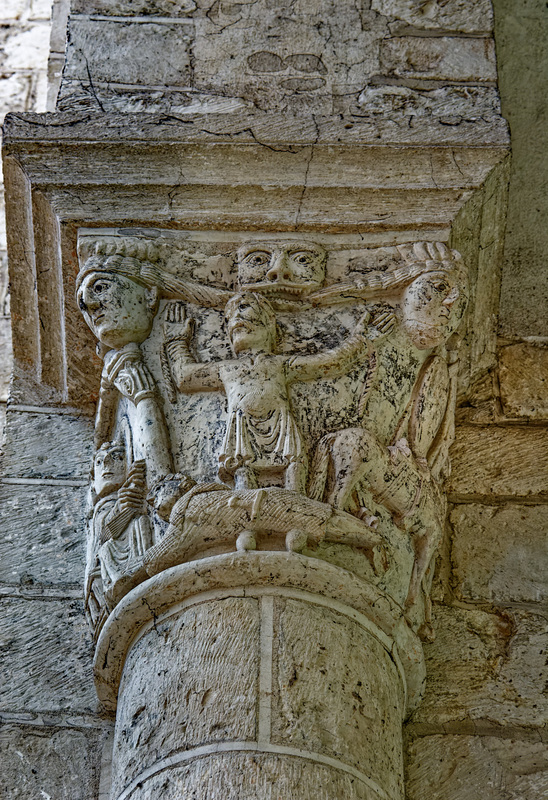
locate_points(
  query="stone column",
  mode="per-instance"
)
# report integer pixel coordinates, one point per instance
(265, 674)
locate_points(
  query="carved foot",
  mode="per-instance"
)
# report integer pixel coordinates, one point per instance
(246, 541)
(296, 540)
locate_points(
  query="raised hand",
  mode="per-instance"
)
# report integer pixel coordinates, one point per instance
(381, 325)
(132, 493)
(176, 324)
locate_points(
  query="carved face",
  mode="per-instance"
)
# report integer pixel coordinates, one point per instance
(117, 309)
(109, 469)
(281, 270)
(251, 324)
(432, 308)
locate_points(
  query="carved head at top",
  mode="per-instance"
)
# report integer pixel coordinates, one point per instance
(281, 270)
(251, 323)
(115, 292)
(433, 303)
(109, 468)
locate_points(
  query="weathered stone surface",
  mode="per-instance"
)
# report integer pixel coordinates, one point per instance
(457, 767)
(337, 692)
(253, 776)
(523, 377)
(486, 666)
(442, 58)
(499, 553)
(523, 69)
(462, 15)
(42, 534)
(503, 461)
(48, 445)
(45, 656)
(205, 664)
(130, 8)
(5, 353)
(49, 763)
(133, 53)
(24, 48)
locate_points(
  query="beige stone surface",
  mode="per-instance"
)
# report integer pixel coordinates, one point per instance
(498, 460)
(45, 445)
(499, 553)
(337, 692)
(459, 15)
(45, 656)
(485, 666)
(440, 58)
(204, 666)
(236, 776)
(43, 534)
(462, 767)
(523, 378)
(57, 763)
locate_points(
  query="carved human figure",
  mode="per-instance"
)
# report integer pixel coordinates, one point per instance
(120, 530)
(119, 300)
(262, 436)
(282, 271)
(397, 458)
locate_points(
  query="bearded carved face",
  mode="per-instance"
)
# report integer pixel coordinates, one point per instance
(432, 308)
(117, 309)
(281, 270)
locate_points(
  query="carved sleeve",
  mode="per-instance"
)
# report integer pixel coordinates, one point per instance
(189, 375)
(333, 363)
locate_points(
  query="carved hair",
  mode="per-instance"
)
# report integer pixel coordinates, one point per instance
(419, 258)
(137, 259)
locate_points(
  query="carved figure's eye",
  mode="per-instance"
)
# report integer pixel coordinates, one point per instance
(440, 286)
(258, 259)
(100, 286)
(302, 257)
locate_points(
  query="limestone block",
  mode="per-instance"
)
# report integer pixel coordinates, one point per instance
(523, 378)
(456, 767)
(504, 461)
(462, 15)
(45, 656)
(5, 357)
(14, 91)
(132, 53)
(13, 10)
(337, 692)
(486, 666)
(442, 58)
(48, 763)
(42, 534)
(499, 553)
(451, 105)
(250, 776)
(204, 663)
(26, 49)
(134, 8)
(48, 445)
(40, 9)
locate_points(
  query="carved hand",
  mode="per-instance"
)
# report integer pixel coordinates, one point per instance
(381, 325)
(132, 494)
(176, 325)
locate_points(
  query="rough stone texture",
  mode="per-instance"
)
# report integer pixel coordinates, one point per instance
(48, 445)
(486, 666)
(204, 663)
(253, 776)
(60, 764)
(45, 656)
(523, 378)
(499, 553)
(439, 58)
(504, 461)
(460, 15)
(337, 692)
(523, 69)
(457, 767)
(42, 534)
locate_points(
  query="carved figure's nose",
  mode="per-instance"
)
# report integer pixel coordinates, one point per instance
(279, 270)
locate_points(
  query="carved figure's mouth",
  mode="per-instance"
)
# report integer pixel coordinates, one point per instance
(282, 289)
